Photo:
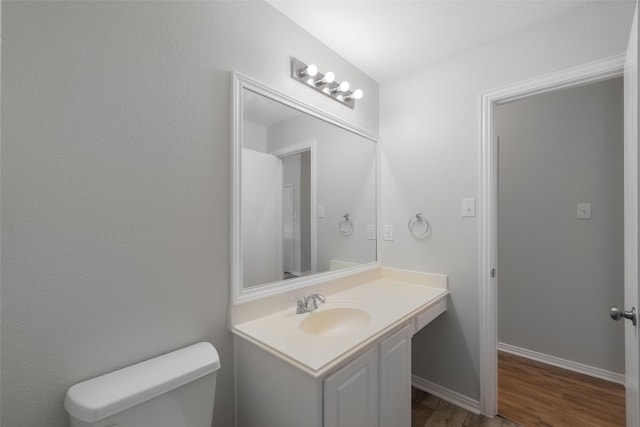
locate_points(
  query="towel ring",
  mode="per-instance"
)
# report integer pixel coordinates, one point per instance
(419, 232)
(345, 225)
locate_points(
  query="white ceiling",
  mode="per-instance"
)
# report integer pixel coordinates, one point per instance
(389, 38)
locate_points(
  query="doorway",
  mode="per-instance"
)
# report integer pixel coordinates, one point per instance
(298, 220)
(489, 268)
(296, 213)
(560, 210)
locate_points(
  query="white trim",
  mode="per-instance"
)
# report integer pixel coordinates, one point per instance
(235, 378)
(591, 72)
(631, 223)
(443, 393)
(238, 294)
(570, 365)
(584, 74)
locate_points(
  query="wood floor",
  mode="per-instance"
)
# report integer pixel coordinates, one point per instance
(534, 394)
(531, 394)
(430, 411)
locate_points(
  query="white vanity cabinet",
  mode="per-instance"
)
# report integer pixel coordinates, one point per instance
(373, 389)
(394, 381)
(351, 369)
(351, 393)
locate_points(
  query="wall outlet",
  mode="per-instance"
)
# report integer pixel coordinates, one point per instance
(388, 232)
(371, 232)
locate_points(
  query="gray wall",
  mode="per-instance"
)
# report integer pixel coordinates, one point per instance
(558, 275)
(115, 183)
(430, 151)
(305, 212)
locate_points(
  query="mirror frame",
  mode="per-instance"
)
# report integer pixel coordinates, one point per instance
(240, 295)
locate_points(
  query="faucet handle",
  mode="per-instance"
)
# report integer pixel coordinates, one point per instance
(316, 295)
(314, 298)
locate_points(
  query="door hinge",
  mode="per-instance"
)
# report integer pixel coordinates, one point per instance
(493, 272)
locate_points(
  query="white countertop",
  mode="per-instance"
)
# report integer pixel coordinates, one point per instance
(389, 302)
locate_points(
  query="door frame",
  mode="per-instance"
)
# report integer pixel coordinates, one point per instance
(589, 73)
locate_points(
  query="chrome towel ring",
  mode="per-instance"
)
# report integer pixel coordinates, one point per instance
(419, 226)
(345, 225)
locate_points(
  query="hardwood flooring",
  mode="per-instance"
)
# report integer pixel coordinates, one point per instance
(531, 394)
(430, 411)
(534, 394)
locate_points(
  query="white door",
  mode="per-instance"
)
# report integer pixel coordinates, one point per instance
(631, 224)
(261, 218)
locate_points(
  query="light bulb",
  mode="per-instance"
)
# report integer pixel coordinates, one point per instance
(310, 70)
(342, 87)
(328, 78)
(357, 94)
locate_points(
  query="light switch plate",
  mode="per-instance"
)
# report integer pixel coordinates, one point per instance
(468, 208)
(584, 210)
(388, 232)
(371, 232)
(320, 211)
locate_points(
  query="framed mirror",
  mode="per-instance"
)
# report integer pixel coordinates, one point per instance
(303, 194)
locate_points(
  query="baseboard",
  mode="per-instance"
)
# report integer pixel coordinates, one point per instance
(443, 393)
(562, 363)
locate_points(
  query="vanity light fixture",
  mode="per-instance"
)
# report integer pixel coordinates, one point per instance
(325, 83)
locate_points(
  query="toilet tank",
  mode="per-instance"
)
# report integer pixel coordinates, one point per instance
(176, 389)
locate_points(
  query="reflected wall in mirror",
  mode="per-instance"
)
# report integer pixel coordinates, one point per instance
(307, 193)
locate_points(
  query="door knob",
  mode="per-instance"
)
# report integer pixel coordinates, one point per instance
(617, 314)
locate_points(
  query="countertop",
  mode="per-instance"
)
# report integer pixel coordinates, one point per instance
(389, 301)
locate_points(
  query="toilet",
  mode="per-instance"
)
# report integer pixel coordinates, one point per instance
(176, 389)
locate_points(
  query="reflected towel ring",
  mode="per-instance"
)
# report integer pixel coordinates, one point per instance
(419, 232)
(345, 225)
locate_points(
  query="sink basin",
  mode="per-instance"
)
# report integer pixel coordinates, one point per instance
(335, 321)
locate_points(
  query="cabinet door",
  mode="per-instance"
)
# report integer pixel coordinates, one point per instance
(395, 379)
(350, 394)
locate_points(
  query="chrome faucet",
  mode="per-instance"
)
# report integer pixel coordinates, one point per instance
(308, 304)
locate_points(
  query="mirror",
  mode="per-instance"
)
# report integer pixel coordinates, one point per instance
(304, 194)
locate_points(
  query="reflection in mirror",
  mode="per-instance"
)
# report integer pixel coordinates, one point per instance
(307, 190)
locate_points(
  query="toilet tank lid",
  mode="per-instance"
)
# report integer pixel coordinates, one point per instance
(103, 396)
